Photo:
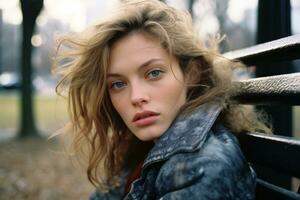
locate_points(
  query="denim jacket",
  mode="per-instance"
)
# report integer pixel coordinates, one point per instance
(195, 158)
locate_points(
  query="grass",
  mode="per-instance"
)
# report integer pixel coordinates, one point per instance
(296, 120)
(54, 177)
(37, 168)
(51, 113)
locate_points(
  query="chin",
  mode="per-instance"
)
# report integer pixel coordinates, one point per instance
(146, 138)
(149, 135)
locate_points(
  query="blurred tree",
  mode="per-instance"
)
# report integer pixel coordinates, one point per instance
(190, 7)
(220, 10)
(30, 11)
(1, 27)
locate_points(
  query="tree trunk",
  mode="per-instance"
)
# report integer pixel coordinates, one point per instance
(190, 7)
(30, 11)
(1, 28)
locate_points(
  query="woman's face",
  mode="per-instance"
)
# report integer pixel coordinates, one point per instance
(146, 86)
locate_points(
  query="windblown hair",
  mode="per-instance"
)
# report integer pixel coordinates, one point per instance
(82, 60)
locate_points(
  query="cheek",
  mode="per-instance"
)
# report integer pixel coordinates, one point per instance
(175, 93)
(117, 103)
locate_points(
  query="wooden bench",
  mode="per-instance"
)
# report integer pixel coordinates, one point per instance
(278, 153)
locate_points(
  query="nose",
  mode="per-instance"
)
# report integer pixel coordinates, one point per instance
(139, 94)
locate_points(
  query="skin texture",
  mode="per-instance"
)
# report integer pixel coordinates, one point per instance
(142, 77)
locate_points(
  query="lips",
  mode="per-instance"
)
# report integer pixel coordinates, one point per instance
(145, 118)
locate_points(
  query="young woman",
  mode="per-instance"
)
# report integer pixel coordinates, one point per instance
(150, 106)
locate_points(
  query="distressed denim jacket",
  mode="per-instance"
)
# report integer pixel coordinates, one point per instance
(195, 158)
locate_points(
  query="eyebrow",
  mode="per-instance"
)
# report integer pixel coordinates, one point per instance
(140, 67)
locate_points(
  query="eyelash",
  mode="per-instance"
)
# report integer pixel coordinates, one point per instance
(114, 84)
(151, 73)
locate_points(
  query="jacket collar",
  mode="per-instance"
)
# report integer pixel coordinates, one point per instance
(187, 133)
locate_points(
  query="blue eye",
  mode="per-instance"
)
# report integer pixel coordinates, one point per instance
(154, 74)
(117, 85)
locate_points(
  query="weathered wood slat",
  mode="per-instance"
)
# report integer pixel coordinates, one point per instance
(280, 89)
(265, 190)
(281, 154)
(277, 152)
(287, 48)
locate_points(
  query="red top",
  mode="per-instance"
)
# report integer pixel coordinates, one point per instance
(134, 175)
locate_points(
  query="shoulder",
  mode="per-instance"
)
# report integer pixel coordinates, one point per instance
(216, 167)
(115, 193)
(220, 150)
(111, 195)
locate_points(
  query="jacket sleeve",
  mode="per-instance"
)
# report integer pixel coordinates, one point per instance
(216, 173)
(116, 193)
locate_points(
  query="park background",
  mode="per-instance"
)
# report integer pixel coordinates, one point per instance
(35, 167)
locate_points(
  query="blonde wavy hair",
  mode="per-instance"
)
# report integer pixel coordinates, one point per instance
(82, 60)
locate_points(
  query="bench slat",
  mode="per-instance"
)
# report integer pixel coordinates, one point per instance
(280, 89)
(265, 190)
(287, 48)
(277, 152)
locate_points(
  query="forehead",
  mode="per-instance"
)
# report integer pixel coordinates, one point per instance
(137, 38)
(134, 49)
